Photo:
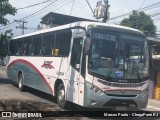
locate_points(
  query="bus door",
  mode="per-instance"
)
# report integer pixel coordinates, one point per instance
(76, 81)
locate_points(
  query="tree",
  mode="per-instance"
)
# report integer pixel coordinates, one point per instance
(6, 9)
(141, 21)
(4, 40)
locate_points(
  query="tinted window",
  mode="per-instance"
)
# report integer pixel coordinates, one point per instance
(48, 44)
(36, 46)
(134, 52)
(27, 46)
(63, 40)
(76, 52)
(19, 47)
(12, 48)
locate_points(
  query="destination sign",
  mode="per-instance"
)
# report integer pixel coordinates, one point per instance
(103, 36)
(133, 37)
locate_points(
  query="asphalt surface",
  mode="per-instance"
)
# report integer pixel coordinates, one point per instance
(11, 99)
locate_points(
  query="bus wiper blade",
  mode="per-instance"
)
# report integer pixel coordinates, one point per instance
(108, 75)
(138, 75)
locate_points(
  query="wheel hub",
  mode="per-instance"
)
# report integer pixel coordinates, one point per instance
(61, 97)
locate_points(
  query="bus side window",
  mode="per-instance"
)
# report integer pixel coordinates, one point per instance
(12, 48)
(36, 46)
(63, 40)
(26, 46)
(76, 53)
(19, 47)
(48, 44)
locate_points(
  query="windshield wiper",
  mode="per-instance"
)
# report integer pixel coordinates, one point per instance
(108, 75)
(139, 78)
(136, 68)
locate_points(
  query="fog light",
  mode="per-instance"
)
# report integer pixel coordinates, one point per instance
(95, 88)
(92, 102)
(144, 92)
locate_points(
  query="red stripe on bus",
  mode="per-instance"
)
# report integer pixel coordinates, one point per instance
(33, 67)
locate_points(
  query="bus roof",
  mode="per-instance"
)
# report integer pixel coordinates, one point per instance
(77, 24)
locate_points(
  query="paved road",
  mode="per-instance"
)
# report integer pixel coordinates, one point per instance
(3, 72)
(12, 99)
(9, 91)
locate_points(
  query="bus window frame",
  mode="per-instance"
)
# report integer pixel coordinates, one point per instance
(55, 32)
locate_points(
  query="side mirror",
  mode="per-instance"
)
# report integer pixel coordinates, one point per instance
(87, 42)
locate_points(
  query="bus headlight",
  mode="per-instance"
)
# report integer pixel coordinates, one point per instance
(95, 88)
(144, 92)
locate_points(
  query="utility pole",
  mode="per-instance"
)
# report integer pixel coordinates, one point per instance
(106, 11)
(102, 10)
(21, 25)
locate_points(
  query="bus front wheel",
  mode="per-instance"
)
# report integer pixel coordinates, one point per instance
(20, 83)
(61, 96)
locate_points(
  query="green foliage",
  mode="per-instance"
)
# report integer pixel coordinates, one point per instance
(141, 21)
(4, 40)
(6, 9)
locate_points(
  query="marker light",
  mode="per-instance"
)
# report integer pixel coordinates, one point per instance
(144, 92)
(95, 88)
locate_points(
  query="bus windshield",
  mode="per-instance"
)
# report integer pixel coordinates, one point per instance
(118, 55)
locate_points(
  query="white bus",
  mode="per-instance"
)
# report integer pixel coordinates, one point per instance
(91, 64)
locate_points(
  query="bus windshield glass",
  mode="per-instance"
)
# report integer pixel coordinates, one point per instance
(118, 55)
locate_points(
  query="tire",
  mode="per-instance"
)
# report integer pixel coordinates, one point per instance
(20, 83)
(61, 101)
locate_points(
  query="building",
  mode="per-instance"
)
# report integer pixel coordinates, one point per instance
(56, 19)
(154, 48)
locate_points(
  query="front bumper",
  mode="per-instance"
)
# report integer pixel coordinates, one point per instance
(94, 100)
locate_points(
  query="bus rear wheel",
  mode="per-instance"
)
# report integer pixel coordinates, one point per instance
(61, 101)
(20, 83)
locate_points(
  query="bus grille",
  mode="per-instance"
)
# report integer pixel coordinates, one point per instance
(122, 85)
(121, 95)
(119, 102)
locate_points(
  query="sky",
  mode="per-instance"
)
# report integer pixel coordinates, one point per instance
(80, 9)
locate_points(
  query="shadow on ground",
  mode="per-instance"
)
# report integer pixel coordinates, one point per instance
(6, 81)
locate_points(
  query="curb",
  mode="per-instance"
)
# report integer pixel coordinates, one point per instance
(153, 107)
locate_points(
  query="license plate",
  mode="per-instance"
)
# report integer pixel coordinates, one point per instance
(121, 108)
